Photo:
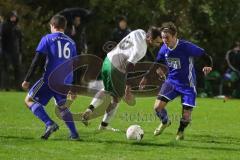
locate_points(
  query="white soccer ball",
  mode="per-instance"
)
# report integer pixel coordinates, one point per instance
(135, 132)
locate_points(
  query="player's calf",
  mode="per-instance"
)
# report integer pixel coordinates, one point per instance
(109, 114)
(165, 122)
(67, 117)
(162, 115)
(184, 122)
(161, 112)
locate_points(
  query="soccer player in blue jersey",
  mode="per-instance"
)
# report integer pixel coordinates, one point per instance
(54, 49)
(178, 55)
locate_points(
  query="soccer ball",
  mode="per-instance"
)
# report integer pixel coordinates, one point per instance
(135, 132)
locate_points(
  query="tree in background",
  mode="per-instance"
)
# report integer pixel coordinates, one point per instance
(213, 25)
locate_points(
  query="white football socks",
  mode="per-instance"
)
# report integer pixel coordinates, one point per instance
(110, 112)
(98, 99)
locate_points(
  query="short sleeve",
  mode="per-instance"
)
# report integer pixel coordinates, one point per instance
(42, 46)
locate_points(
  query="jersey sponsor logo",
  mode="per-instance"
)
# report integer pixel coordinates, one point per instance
(174, 63)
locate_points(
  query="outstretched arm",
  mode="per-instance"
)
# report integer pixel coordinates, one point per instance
(156, 67)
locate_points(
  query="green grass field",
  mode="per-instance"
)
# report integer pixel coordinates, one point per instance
(213, 134)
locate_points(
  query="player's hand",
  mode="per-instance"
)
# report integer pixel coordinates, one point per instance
(143, 83)
(129, 98)
(25, 85)
(161, 74)
(71, 96)
(127, 89)
(206, 70)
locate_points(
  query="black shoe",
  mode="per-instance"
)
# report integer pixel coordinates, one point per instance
(49, 130)
(74, 137)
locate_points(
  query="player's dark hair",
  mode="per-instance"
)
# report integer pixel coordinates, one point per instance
(153, 32)
(169, 27)
(58, 21)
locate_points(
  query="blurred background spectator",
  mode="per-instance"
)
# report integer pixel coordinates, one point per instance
(76, 23)
(121, 30)
(11, 51)
(230, 83)
(116, 36)
(77, 32)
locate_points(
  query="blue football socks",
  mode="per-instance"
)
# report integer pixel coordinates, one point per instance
(68, 119)
(162, 115)
(39, 111)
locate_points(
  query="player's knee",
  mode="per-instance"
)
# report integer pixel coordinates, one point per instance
(187, 112)
(162, 98)
(188, 108)
(62, 107)
(28, 101)
(159, 105)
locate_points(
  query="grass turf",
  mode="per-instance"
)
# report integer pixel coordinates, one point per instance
(213, 134)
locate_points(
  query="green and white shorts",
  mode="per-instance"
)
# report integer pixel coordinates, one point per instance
(114, 81)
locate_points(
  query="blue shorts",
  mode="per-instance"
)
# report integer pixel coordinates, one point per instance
(41, 93)
(188, 94)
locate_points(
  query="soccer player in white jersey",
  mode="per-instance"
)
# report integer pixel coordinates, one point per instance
(118, 63)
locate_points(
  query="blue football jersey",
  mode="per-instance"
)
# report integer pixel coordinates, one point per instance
(180, 62)
(58, 49)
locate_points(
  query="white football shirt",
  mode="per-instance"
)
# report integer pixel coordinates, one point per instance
(132, 48)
